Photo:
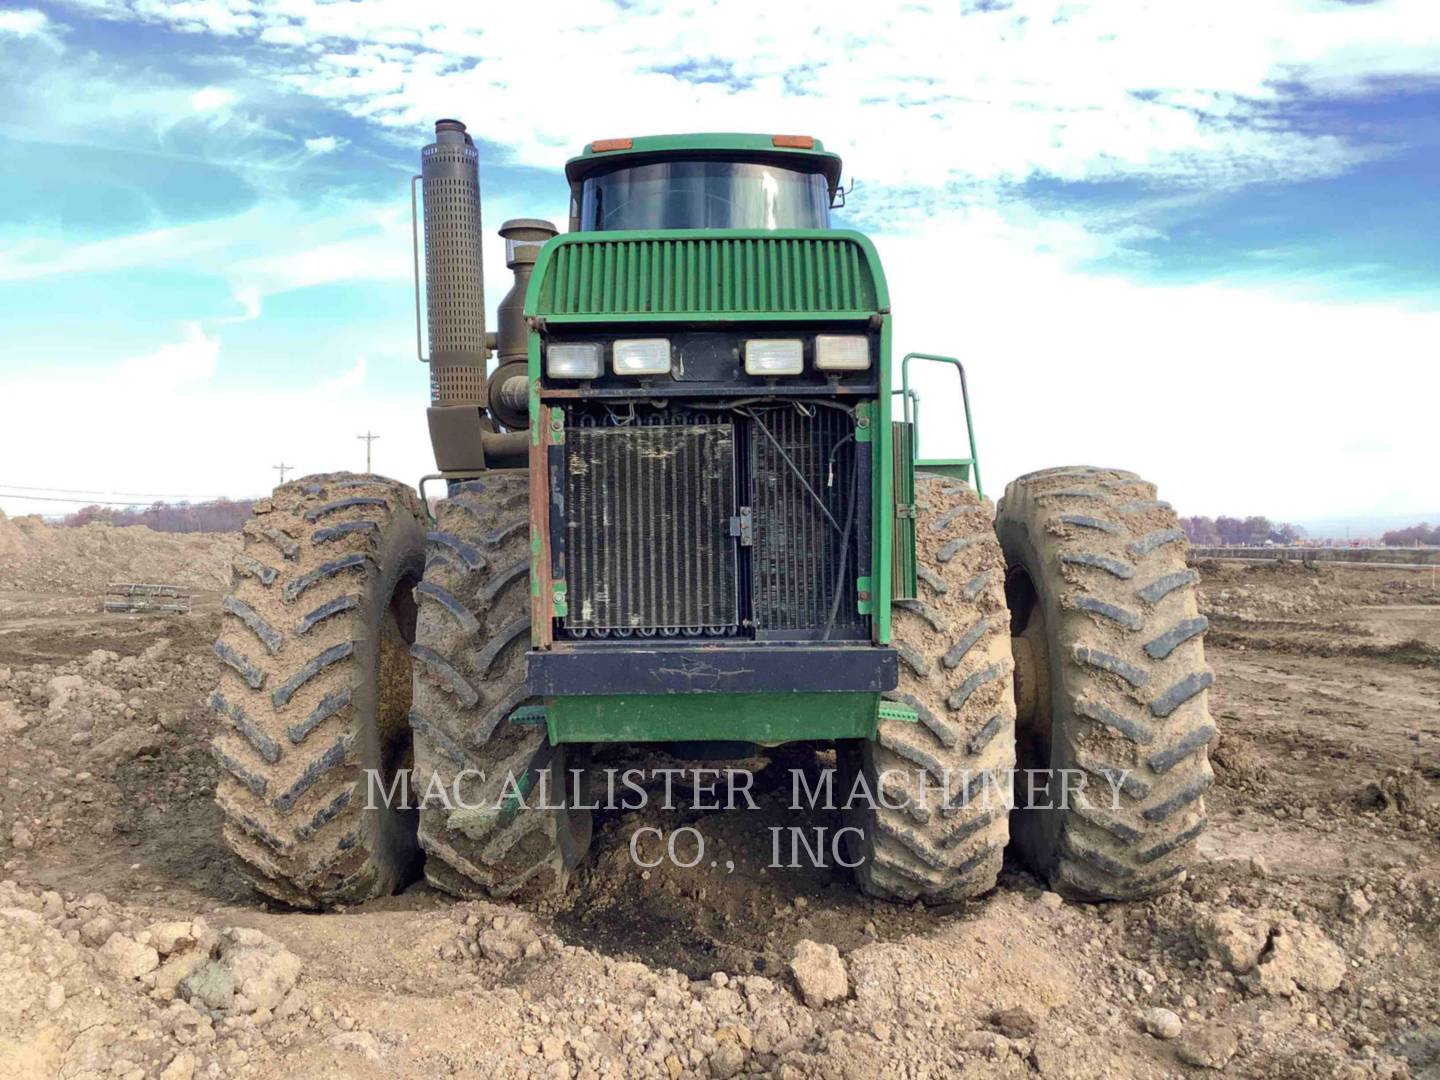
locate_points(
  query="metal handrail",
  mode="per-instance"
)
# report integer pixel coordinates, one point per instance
(974, 460)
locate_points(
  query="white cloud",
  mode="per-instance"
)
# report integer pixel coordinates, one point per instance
(274, 246)
(282, 35)
(169, 426)
(251, 303)
(25, 22)
(210, 98)
(31, 25)
(927, 94)
(324, 144)
(1231, 399)
(351, 379)
(190, 360)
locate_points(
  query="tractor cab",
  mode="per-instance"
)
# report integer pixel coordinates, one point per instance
(724, 181)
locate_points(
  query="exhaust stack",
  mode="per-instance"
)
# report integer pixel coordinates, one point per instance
(454, 282)
(465, 408)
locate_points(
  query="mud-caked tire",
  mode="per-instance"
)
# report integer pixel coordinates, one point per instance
(1112, 681)
(314, 690)
(495, 820)
(932, 814)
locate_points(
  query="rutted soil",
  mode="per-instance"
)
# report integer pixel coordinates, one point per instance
(1306, 946)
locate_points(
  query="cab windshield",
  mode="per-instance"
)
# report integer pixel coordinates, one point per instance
(705, 195)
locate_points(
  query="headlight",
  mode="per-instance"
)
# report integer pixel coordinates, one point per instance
(642, 356)
(774, 356)
(576, 360)
(842, 352)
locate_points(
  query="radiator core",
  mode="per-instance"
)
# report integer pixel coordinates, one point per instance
(648, 529)
(717, 524)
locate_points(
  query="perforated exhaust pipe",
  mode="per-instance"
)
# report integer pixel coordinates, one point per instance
(454, 275)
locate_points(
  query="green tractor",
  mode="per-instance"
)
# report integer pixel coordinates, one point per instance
(683, 507)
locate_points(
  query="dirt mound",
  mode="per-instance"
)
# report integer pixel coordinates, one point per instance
(98, 988)
(1303, 947)
(36, 556)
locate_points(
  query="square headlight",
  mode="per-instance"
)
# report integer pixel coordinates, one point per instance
(573, 360)
(641, 356)
(842, 352)
(774, 356)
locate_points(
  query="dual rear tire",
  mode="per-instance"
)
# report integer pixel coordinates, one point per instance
(1056, 666)
(499, 819)
(1112, 695)
(371, 671)
(314, 691)
(1064, 639)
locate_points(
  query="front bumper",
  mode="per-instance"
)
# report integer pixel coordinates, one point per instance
(635, 668)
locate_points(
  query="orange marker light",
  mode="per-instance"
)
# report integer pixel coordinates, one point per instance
(599, 146)
(797, 142)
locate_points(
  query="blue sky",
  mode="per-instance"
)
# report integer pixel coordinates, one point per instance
(1196, 240)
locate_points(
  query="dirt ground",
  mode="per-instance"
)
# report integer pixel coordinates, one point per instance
(1308, 945)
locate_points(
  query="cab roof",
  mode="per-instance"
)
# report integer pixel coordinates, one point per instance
(796, 151)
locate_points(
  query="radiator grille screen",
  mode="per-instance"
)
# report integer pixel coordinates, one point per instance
(798, 463)
(647, 534)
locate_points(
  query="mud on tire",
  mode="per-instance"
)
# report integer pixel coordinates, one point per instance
(949, 773)
(1100, 595)
(314, 689)
(469, 680)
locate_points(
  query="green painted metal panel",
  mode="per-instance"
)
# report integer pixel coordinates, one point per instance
(955, 468)
(865, 599)
(883, 496)
(706, 274)
(902, 556)
(724, 318)
(864, 422)
(768, 719)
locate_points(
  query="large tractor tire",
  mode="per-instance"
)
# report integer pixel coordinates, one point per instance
(315, 690)
(474, 756)
(938, 824)
(1112, 681)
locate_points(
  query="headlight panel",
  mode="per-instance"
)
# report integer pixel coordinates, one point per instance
(774, 356)
(641, 356)
(574, 360)
(771, 358)
(842, 352)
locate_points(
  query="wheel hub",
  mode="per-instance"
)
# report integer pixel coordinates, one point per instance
(1032, 670)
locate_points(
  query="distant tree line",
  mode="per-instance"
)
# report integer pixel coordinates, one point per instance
(1424, 534)
(1238, 532)
(222, 515)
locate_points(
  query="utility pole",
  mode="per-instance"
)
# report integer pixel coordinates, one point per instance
(282, 469)
(368, 440)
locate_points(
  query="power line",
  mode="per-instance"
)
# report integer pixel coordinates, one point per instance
(128, 494)
(93, 502)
